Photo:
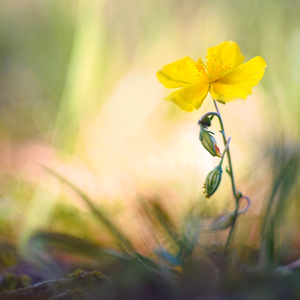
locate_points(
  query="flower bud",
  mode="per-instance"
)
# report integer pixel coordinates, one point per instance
(222, 221)
(205, 122)
(209, 142)
(212, 181)
(239, 195)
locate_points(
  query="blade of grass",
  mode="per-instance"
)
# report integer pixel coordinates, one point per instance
(160, 218)
(71, 244)
(120, 238)
(286, 169)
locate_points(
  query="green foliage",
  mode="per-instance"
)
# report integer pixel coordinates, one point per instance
(285, 166)
(180, 267)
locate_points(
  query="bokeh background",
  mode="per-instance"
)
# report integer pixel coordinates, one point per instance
(79, 94)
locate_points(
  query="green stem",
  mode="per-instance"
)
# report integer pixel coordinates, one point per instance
(235, 214)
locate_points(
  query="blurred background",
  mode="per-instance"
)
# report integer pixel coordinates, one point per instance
(79, 94)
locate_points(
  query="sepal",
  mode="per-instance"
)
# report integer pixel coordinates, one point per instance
(209, 142)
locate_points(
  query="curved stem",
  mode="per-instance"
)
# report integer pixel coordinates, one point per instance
(231, 233)
(247, 207)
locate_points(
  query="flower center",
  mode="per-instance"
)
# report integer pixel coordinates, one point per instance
(211, 70)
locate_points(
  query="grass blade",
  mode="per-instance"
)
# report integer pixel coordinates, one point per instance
(119, 237)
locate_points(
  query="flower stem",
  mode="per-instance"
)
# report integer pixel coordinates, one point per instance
(216, 106)
(235, 214)
(231, 233)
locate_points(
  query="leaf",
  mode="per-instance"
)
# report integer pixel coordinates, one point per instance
(159, 216)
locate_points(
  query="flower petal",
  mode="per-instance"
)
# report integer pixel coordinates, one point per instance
(227, 53)
(225, 92)
(190, 97)
(249, 73)
(238, 82)
(179, 73)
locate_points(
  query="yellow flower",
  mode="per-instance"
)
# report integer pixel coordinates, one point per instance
(223, 75)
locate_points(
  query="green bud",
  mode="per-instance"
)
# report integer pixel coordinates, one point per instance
(239, 195)
(212, 181)
(209, 142)
(206, 122)
(222, 221)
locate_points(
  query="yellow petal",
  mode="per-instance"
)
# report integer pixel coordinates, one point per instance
(190, 97)
(226, 93)
(179, 73)
(227, 53)
(238, 82)
(249, 73)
